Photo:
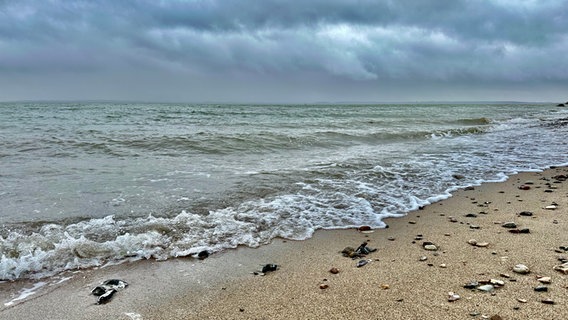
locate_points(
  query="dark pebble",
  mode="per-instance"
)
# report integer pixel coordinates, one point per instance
(541, 289)
(203, 255)
(520, 231)
(526, 213)
(269, 268)
(509, 225)
(547, 301)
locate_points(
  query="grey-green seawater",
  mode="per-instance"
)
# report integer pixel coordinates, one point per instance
(83, 184)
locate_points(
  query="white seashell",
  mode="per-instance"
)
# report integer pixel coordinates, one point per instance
(521, 268)
(562, 268)
(544, 279)
(497, 282)
(453, 296)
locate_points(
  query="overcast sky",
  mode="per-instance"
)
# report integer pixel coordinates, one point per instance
(284, 51)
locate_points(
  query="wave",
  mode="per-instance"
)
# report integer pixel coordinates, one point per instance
(219, 144)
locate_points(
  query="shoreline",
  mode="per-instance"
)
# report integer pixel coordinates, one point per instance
(395, 284)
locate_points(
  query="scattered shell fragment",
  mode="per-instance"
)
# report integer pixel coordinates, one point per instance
(497, 282)
(443, 265)
(323, 286)
(544, 279)
(521, 269)
(423, 258)
(562, 268)
(551, 207)
(363, 262)
(473, 242)
(385, 286)
(453, 296)
(522, 300)
(334, 270)
(482, 244)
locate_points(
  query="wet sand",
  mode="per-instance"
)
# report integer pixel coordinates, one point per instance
(395, 284)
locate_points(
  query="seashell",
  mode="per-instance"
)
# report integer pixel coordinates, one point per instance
(334, 270)
(323, 286)
(562, 268)
(362, 263)
(98, 291)
(522, 300)
(551, 207)
(482, 244)
(106, 297)
(521, 268)
(497, 282)
(115, 283)
(473, 242)
(544, 279)
(453, 296)
(385, 286)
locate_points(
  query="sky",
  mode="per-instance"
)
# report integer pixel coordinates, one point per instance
(278, 51)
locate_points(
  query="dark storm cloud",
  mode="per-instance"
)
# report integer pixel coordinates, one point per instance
(429, 40)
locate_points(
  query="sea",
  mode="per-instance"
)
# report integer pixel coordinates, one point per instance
(86, 185)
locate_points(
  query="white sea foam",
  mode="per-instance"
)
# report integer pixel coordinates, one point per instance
(25, 292)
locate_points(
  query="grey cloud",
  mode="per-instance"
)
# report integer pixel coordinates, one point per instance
(361, 41)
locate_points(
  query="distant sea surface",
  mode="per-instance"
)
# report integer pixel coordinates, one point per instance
(85, 185)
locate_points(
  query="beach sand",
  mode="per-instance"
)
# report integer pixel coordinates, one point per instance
(395, 284)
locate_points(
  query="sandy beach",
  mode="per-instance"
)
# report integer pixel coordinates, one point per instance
(402, 280)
